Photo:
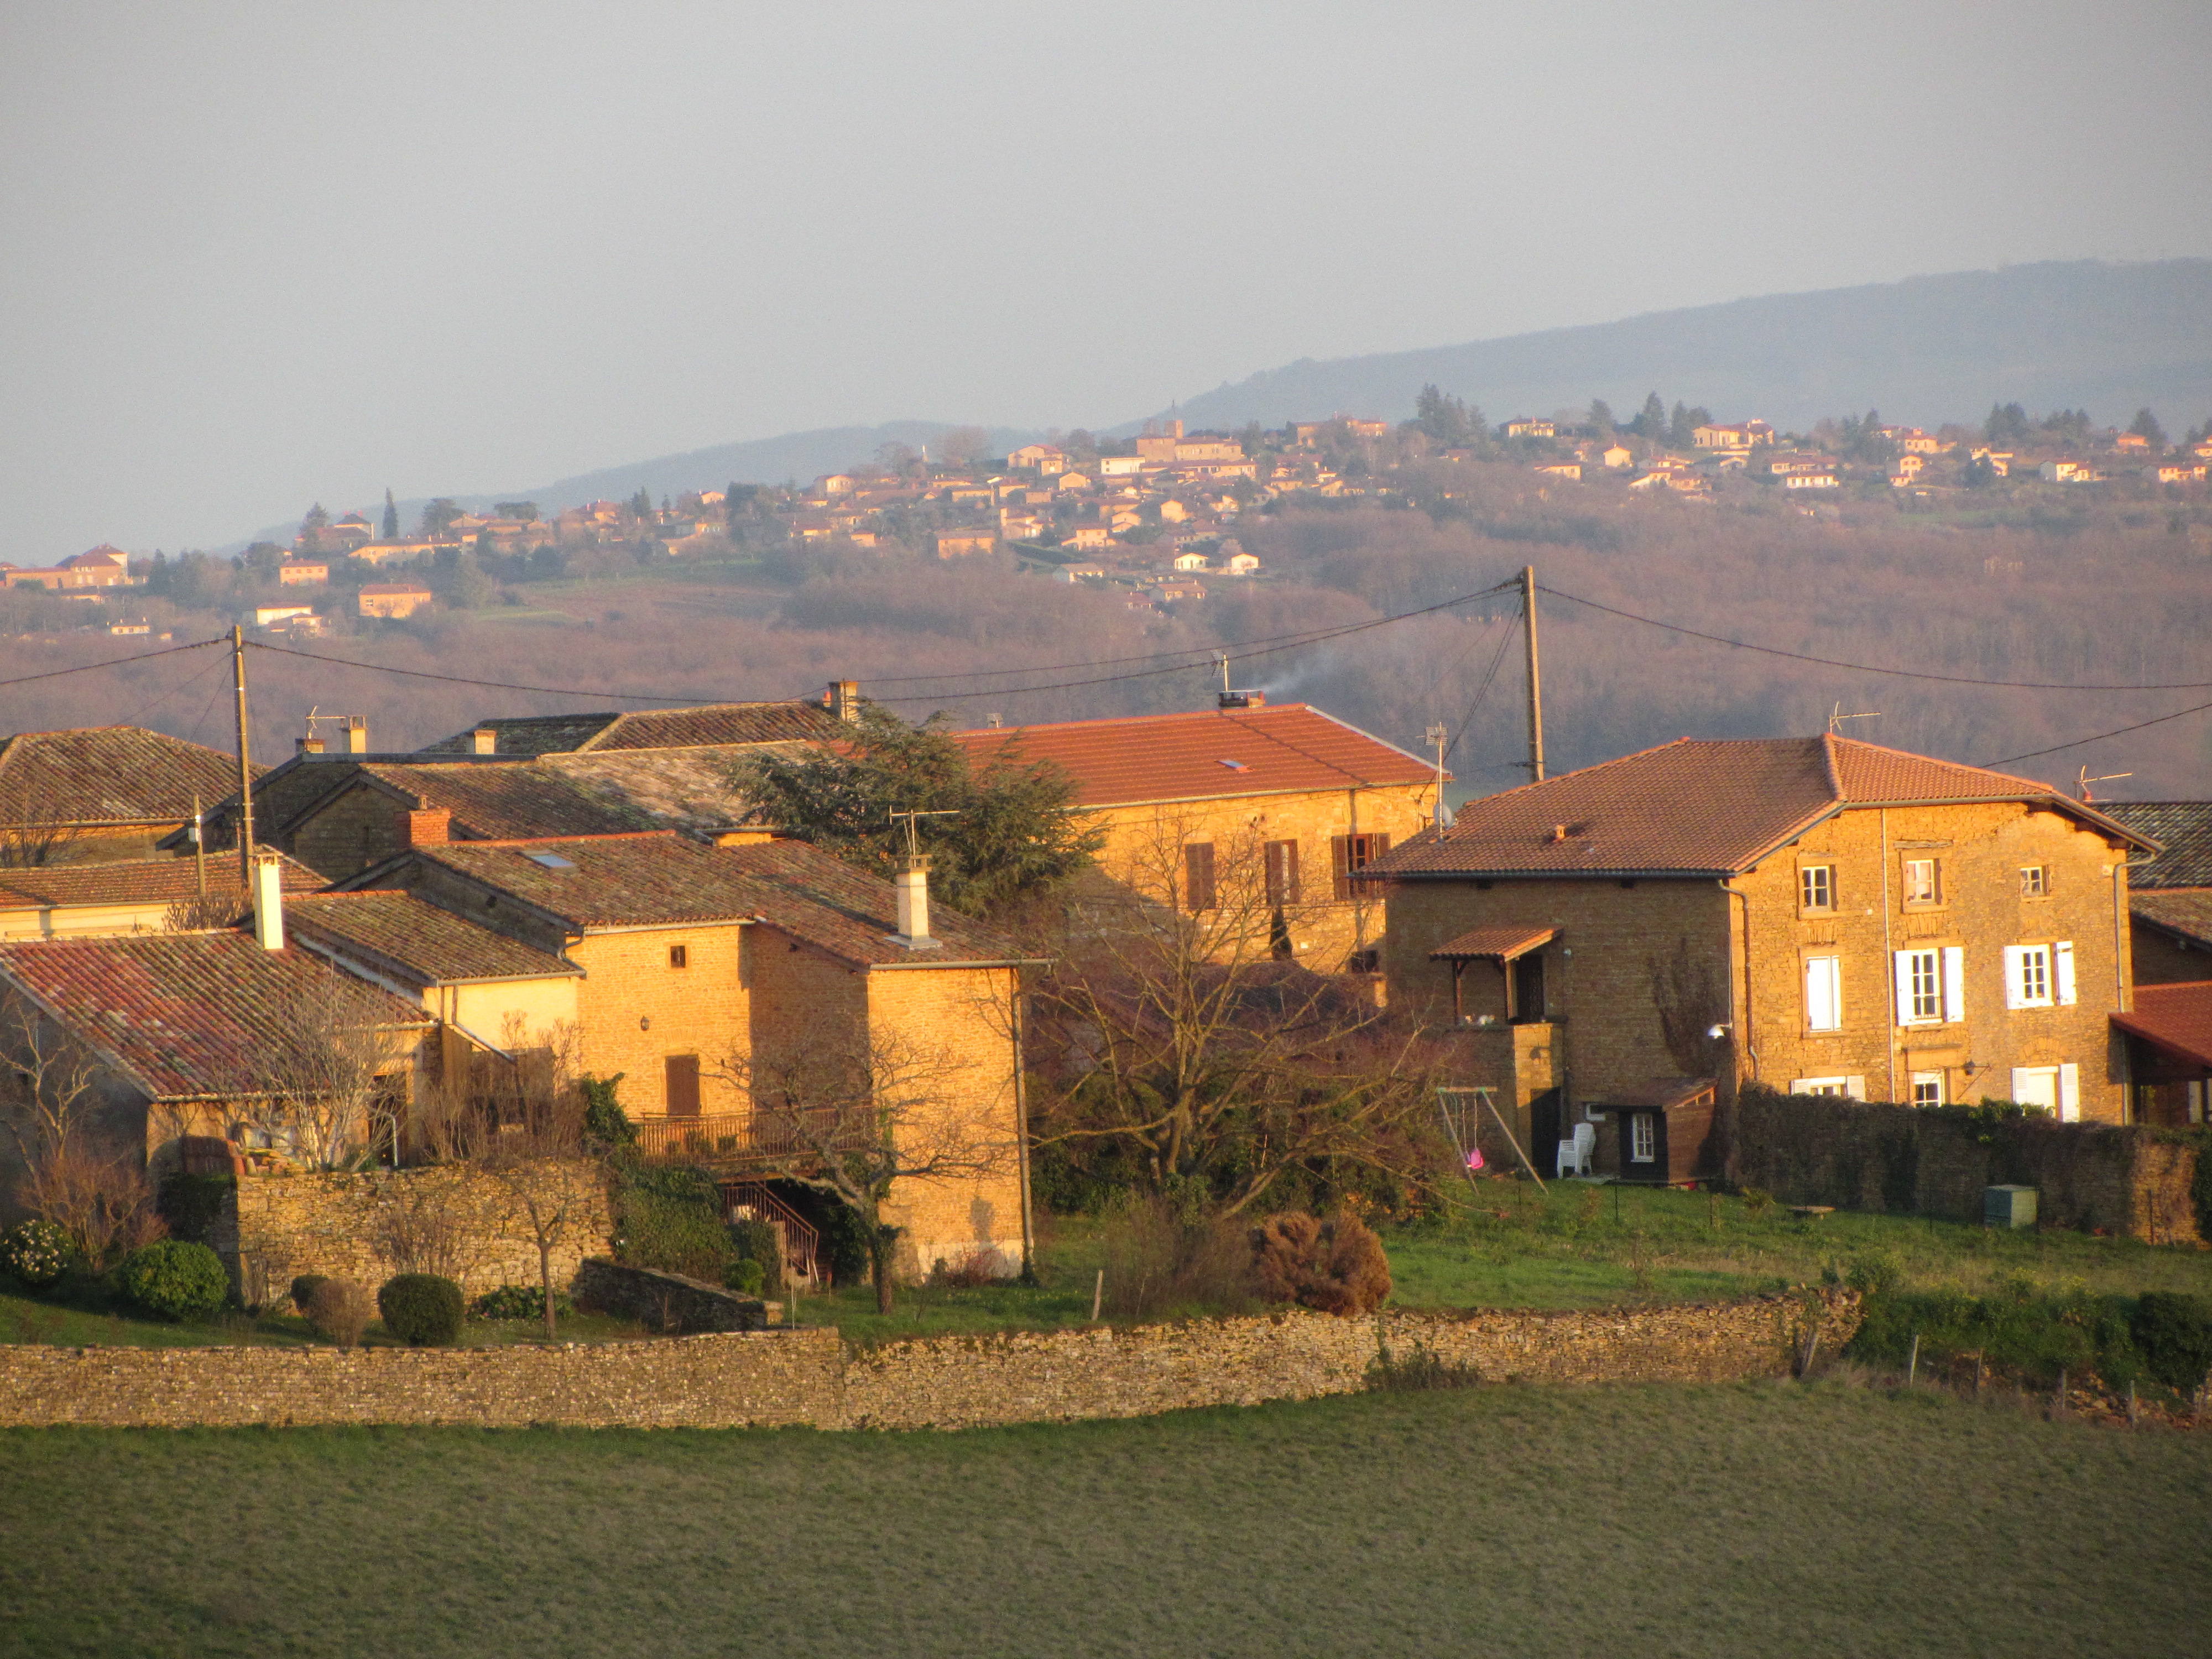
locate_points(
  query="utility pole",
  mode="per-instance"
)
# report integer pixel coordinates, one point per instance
(1536, 691)
(245, 767)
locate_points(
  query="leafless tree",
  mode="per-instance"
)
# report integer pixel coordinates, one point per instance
(72, 1175)
(1175, 1031)
(30, 831)
(1687, 994)
(852, 1111)
(319, 1088)
(200, 911)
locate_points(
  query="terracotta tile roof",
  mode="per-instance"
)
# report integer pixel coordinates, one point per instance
(2185, 911)
(659, 728)
(2176, 1016)
(685, 789)
(108, 775)
(186, 1013)
(2183, 830)
(506, 803)
(1288, 748)
(397, 932)
(134, 881)
(1696, 807)
(662, 879)
(1504, 940)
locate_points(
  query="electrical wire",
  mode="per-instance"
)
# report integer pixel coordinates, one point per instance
(2056, 748)
(117, 662)
(494, 685)
(1869, 668)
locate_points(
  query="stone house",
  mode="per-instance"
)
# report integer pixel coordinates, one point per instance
(1286, 795)
(1818, 914)
(393, 600)
(2168, 1034)
(2170, 895)
(89, 900)
(103, 793)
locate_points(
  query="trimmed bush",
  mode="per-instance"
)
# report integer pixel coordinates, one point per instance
(1335, 1265)
(35, 1252)
(304, 1288)
(745, 1278)
(517, 1301)
(2172, 1332)
(339, 1309)
(672, 1220)
(758, 1241)
(172, 1278)
(421, 1309)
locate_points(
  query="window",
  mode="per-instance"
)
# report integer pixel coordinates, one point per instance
(1924, 881)
(682, 1085)
(1823, 994)
(679, 956)
(1642, 1141)
(1920, 987)
(1839, 1088)
(2056, 1089)
(2040, 975)
(1350, 853)
(1816, 887)
(1197, 876)
(2035, 881)
(1928, 1088)
(1282, 872)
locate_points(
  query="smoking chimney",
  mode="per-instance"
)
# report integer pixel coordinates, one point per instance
(269, 900)
(911, 883)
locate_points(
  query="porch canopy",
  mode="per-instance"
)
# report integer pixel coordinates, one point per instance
(1503, 943)
(1656, 1094)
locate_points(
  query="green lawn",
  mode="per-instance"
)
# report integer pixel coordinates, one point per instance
(1755, 1520)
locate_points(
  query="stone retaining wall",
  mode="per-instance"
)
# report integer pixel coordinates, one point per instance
(760, 1379)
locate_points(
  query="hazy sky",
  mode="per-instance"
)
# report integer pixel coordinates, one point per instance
(254, 256)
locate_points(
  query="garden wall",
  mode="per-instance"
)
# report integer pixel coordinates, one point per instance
(1936, 1161)
(461, 1222)
(759, 1379)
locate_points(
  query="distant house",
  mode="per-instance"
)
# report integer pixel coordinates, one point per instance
(1529, 427)
(1080, 572)
(2130, 443)
(1188, 560)
(2176, 472)
(1174, 593)
(1367, 429)
(1570, 471)
(2067, 470)
(2000, 460)
(1619, 457)
(393, 600)
(1119, 466)
(1811, 480)
(142, 627)
(1913, 441)
(1071, 482)
(1037, 458)
(958, 543)
(1089, 535)
(1746, 435)
(103, 567)
(302, 573)
(383, 553)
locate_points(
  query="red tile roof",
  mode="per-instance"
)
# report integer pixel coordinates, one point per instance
(186, 1014)
(2175, 1016)
(1696, 807)
(1290, 749)
(134, 881)
(1504, 940)
(398, 933)
(103, 774)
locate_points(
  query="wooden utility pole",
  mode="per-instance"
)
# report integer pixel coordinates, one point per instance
(245, 767)
(1536, 690)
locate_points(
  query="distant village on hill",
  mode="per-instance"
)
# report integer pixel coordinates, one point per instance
(1153, 518)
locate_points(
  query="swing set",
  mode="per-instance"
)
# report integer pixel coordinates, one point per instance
(1462, 1110)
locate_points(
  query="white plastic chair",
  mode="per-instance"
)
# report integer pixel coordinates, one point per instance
(1575, 1155)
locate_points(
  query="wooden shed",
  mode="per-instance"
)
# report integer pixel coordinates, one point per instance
(1663, 1129)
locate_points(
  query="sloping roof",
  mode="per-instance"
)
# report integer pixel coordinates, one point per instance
(660, 879)
(1697, 807)
(134, 881)
(187, 1014)
(1504, 940)
(2175, 1016)
(1288, 748)
(2186, 911)
(659, 728)
(675, 789)
(2183, 830)
(108, 775)
(506, 803)
(1657, 1093)
(398, 933)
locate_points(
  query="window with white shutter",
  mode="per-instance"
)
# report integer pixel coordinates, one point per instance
(1920, 987)
(2062, 963)
(1954, 983)
(1823, 994)
(2027, 976)
(2069, 1093)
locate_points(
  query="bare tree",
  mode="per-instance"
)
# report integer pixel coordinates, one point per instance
(1687, 996)
(326, 1088)
(72, 1175)
(202, 911)
(30, 830)
(1176, 1033)
(852, 1111)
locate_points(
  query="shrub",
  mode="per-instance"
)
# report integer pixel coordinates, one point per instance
(605, 1120)
(758, 1241)
(1335, 1265)
(421, 1309)
(1160, 1256)
(339, 1309)
(173, 1279)
(1419, 1372)
(2173, 1331)
(845, 1245)
(303, 1289)
(191, 1204)
(671, 1219)
(35, 1252)
(517, 1301)
(745, 1278)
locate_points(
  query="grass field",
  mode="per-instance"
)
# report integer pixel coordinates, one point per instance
(1768, 1519)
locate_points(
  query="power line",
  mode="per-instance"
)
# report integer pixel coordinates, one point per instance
(2056, 748)
(460, 679)
(115, 662)
(1869, 668)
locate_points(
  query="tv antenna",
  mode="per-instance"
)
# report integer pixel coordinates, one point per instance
(913, 845)
(1837, 717)
(2083, 782)
(1439, 739)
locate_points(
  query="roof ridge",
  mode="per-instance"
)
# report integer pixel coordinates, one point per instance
(2034, 784)
(1595, 766)
(1145, 720)
(540, 841)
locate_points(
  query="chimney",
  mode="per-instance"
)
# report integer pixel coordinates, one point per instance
(269, 900)
(1559, 833)
(356, 734)
(842, 699)
(911, 881)
(484, 740)
(306, 746)
(430, 827)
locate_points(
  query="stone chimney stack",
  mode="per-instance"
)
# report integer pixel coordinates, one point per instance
(484, 740)
(911, 882)
(356, 734)
(842, 699)
(432, 827)
(306, 746)
(269, 900)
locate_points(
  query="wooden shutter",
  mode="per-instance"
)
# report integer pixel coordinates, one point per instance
(2069, 1093)
(1282, 872)
(1198, 875)
(1954, 983)
(1904, 975)
(682, 1085)
(1823, 994)
(2062, 971)
(1340, 861)
(2015, 975)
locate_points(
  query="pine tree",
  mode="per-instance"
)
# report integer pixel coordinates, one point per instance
(2145, 425)
(390, 516)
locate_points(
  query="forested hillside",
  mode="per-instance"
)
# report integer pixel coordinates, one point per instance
(2113, 593)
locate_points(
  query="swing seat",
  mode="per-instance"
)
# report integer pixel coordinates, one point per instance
(1575, 1155)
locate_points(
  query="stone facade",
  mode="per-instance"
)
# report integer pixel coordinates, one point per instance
(665, 1302)
(775, 1378)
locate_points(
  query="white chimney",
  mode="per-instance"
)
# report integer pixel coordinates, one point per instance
(356, 731)
(269, 900)
(484, 740)
(842, 700)
(911, 885)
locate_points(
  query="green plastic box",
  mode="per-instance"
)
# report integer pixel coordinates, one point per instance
(2007, 1206)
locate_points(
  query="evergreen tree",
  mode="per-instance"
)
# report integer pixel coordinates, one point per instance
(641, 505)
(390, 516)
(2145, 425)
(1600, 418)
(2007, 425)
(1650, 421)
(1447, 421)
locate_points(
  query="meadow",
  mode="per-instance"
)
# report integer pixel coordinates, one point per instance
(1809, 1518)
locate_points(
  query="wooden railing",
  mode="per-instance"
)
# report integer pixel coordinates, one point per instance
(802, 1244)
(750, 1137)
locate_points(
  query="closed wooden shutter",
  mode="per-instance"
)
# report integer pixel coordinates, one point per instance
(1198, 875)
(682, 1085)
(1282, 872)
(1339, 863)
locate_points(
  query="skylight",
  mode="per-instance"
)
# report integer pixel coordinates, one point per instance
(550, 860)
(1236, 766)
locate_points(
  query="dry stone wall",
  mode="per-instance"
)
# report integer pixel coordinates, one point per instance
(760, 1379)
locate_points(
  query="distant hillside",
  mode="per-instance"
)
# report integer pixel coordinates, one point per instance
(2110, 338)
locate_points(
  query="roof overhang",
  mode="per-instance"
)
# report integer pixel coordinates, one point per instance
(1656, 1094)
(2196, 1054)
(1502, 942)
